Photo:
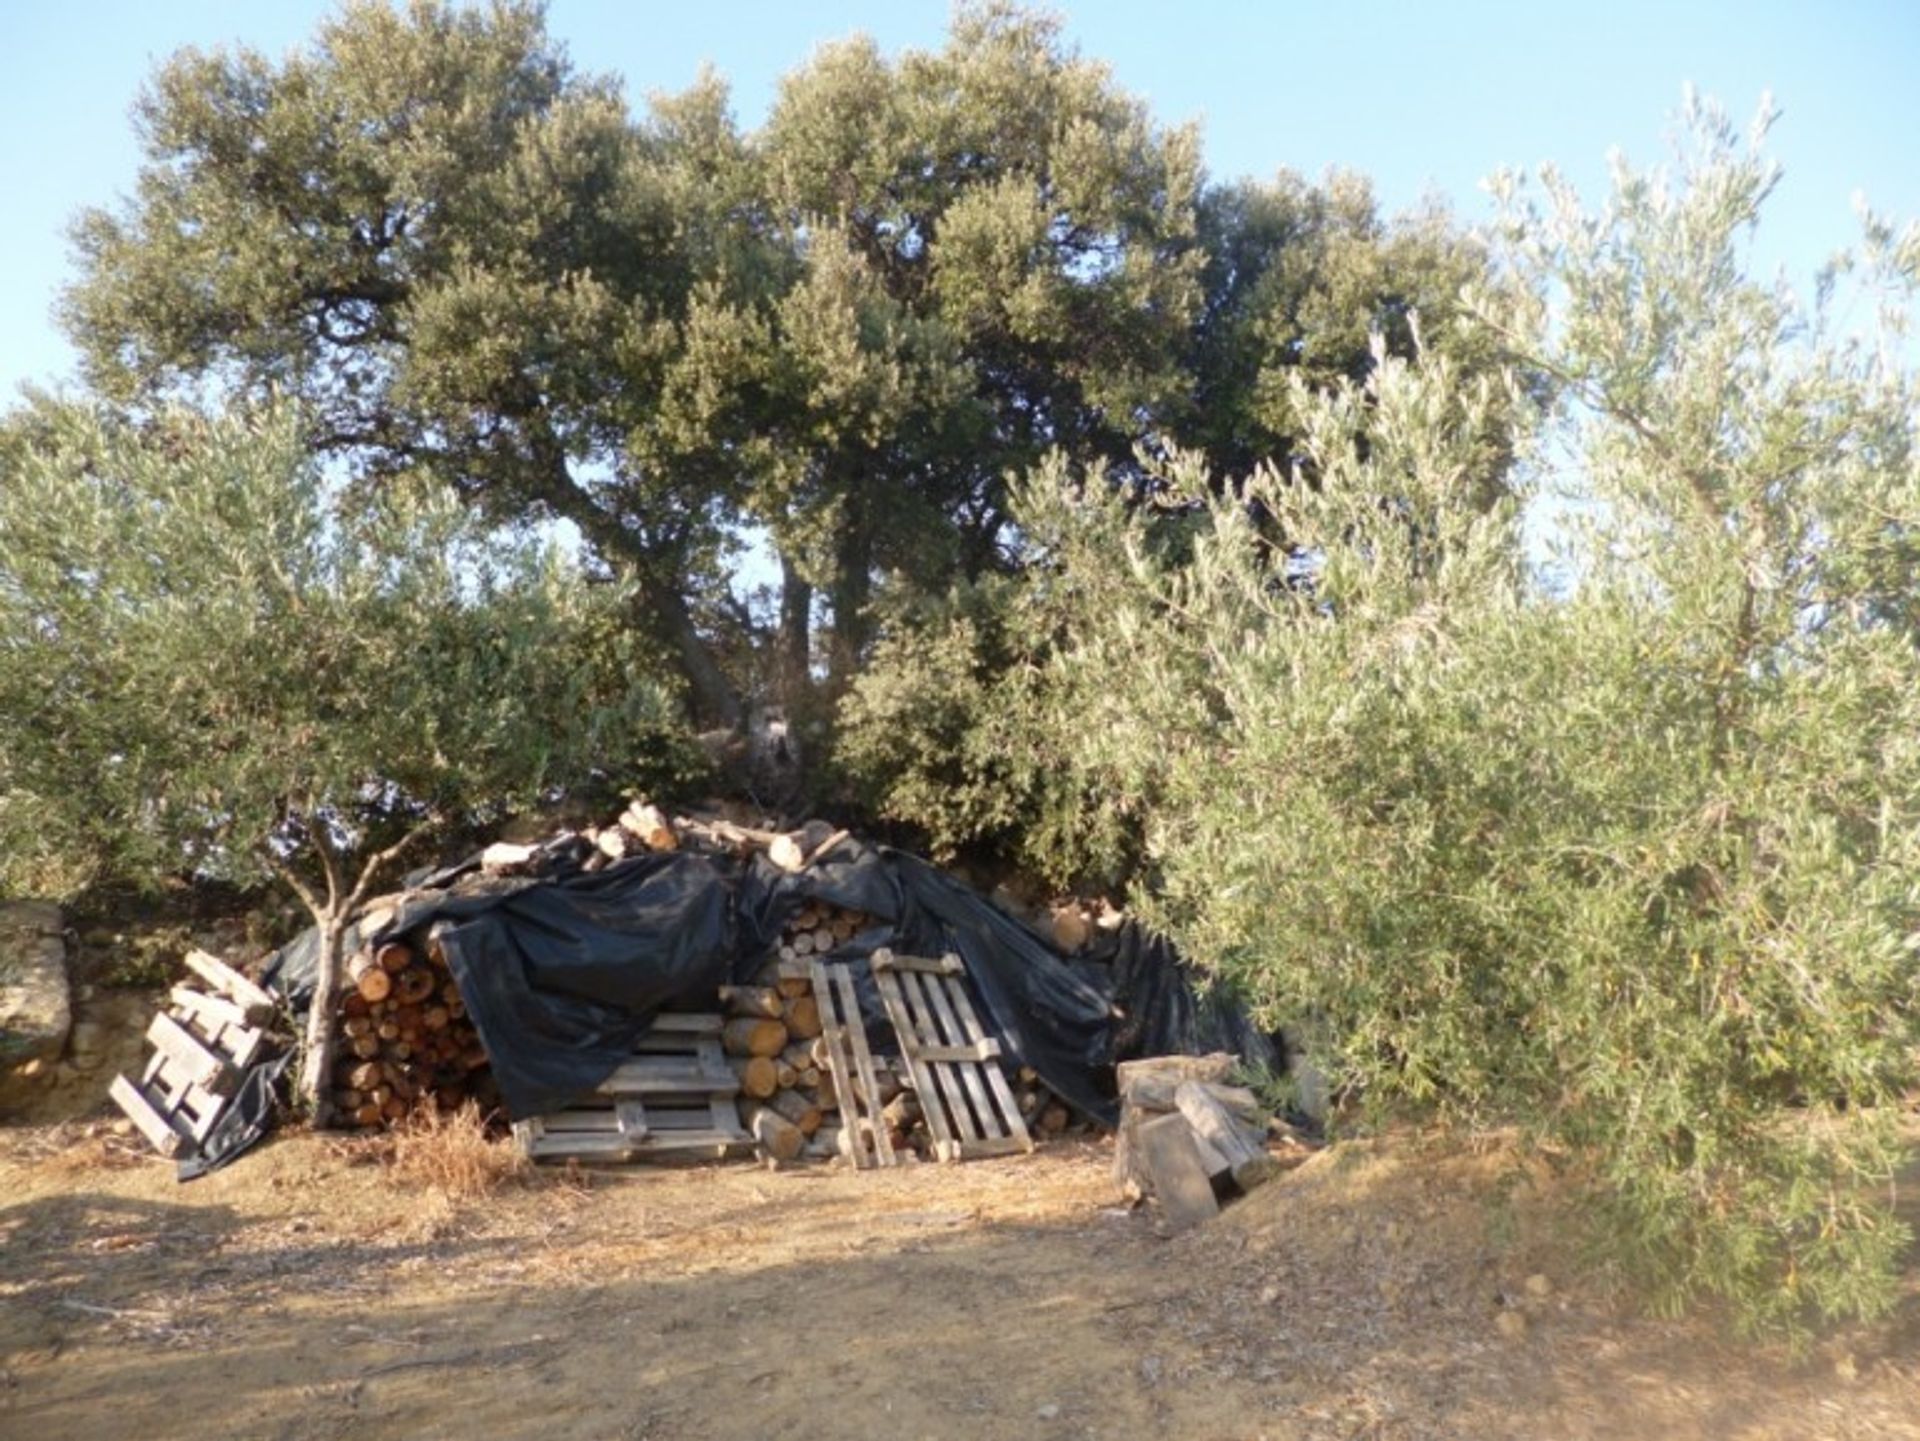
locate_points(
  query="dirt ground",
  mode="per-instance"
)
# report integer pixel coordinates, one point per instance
(307, 1292)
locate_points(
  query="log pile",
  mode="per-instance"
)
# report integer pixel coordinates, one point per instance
(1188, 1137)
(405, 1040)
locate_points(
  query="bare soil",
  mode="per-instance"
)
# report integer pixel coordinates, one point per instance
(1380, 1291)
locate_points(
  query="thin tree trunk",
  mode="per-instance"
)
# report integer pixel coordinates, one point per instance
(321, 1030)
(852, 589)
(794, 660)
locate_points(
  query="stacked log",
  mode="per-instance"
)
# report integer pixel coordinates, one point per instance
(819, 929)
(641, 828)
(406, 1040)
(772, 1039)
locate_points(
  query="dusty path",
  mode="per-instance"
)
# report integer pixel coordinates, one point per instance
(302, 1294)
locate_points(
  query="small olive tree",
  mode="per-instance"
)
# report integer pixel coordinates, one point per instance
(211, 665)
(1615, 844)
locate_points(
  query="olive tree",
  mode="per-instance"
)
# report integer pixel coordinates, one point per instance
(213, 667)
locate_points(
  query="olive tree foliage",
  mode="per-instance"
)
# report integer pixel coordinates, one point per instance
(212, 668)
(841, 330)
(452, 248)
(1624, 851)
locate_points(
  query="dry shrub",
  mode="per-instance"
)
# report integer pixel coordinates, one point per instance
(453, 1154)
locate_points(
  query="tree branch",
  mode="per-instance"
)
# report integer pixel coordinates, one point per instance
(380, 859)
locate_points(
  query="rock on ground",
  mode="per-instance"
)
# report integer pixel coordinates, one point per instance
(36, 1008)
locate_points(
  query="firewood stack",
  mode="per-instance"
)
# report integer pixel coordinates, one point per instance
(788, 1097)
(406, 1041)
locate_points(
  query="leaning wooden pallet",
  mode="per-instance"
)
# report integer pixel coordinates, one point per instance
(864, 1133)
(674, 1097)
(203, 1045)
(970, 1110)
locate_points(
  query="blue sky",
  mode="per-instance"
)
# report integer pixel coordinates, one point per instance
(1421, 97)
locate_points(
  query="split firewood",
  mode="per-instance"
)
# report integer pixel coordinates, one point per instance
(824, 1144)
(612, 843)
(503, 858)
(777, 1137)
(798, 1108)
(1071, 929)
(901, 1112)
(1054, 1118)
(1161, 1093)
(1246, 1158)
(394, 956)
(785, 1077)
(793, 986)
(373, 984)
(1215, 1068)
(413, 985)
(757, 1074)
(650, 824)
(753, 1036)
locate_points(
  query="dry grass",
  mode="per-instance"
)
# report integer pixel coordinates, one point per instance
(452, 1154)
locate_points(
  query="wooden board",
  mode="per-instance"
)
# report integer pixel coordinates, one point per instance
(850, 1062)
(676, 1096)
(202, 1048)
(256, 1003)
(1176, 1175)
(968, 1106)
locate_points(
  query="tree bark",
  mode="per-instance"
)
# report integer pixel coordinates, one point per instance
(852, 589)
(321, 1029)
(794, 658)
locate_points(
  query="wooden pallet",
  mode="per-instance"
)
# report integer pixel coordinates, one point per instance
(969, 1107)
(863, 1132)
(675, 1096)
(203, 1045)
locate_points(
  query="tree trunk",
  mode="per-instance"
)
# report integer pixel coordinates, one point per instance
(852, 588)
(794, 659)
(321, 1027)
(715, 702)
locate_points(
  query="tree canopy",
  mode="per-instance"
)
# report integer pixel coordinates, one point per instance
(844, 330)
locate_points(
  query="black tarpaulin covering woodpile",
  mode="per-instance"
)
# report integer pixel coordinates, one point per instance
(561, 974)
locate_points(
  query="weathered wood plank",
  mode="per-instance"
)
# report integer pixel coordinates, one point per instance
(947, 965)
(1174, 1170)
(688, 1023)
(905, 1031)
(198, 1062)
(1016, 1126)
(147, 1119)
(256, 1003)
(947, 1026)
(666, 1075)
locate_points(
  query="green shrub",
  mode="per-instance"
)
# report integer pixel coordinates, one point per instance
(1619, 844)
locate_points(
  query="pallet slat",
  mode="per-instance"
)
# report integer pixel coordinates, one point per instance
(968, 1106)
(198, 1063)
(256, 1003)
(151, 1123)
(850, 1062)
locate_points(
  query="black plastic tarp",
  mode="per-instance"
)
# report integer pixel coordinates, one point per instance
(561, 974)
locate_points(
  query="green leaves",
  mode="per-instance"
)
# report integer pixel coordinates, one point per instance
(215, 668)
(1621, 855)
